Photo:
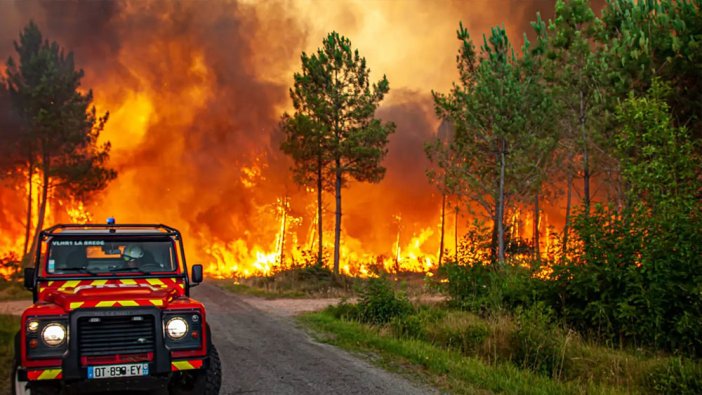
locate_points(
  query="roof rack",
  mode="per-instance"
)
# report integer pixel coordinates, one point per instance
(58, 229)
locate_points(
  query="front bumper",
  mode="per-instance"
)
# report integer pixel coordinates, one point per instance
(72, 371)
(56, 373)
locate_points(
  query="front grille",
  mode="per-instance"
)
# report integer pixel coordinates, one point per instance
(115, 335)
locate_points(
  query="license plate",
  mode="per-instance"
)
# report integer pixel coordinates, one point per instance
(110, 371)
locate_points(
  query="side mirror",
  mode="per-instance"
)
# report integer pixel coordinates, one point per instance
(29, 278)
(196, 277)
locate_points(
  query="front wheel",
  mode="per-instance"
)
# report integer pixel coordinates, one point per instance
(202, 382)
(25, 387)
(31, 388)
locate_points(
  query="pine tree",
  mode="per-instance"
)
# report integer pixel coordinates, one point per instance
(334, 135)
(60, 128)
(575, 73)
(498, 109)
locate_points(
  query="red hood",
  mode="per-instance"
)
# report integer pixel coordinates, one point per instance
(115, 293)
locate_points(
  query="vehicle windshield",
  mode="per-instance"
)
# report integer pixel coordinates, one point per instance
(96, 256)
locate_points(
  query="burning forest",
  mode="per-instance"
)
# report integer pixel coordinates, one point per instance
(538, 163)
(195, 96)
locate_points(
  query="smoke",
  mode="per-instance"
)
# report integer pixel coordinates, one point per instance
(195, 91)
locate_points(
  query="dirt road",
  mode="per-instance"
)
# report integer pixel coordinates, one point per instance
(264, 352)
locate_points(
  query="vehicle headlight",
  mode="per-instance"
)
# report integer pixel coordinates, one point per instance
(176, 328)
(32, 325)
(54, 334)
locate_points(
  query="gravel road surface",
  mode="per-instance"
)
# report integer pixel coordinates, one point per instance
(266, 353)
(263, 351)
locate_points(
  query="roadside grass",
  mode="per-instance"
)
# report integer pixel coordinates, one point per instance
(318, 282)
(521, 353)
(447, 369)
(8, 327)
(12, 290)
(242, 289)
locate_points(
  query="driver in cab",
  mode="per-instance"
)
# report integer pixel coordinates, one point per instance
(136, 258)
(133, 256)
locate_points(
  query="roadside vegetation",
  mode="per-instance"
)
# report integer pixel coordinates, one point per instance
(8, 327)
(602, 105)
(487, 346)
(11, 287)
(13, 290)
(315, 281)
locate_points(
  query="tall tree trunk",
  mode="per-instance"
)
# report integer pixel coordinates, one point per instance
(494, 235)
(337, 227)
(537, 248)
(501, 209)
(28, 223)
(455, 233)
(566, 227)
(42, 205)
(282, 234)
(320, 246)
(443, 221)
(586, 157)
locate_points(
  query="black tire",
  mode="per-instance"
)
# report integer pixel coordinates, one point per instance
(33, 388)
(44, 388)
(14, 390)
(204, 382)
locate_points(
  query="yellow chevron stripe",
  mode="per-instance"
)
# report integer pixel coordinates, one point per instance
(49, 374)
(98, 283)
(155, 281)
(128, 281)
(182, 365)
(51, 282)
(75, 305)
(156, 302)
(70, 284)
(128, 303)
(106, 303)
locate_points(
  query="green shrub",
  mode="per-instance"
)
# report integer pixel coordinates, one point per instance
(458, 330)
(471, 287)
(678, 376)
(8, 327)
(488, 288)
(539, 345)
(408, 326)
(379, 303)
(344, 311)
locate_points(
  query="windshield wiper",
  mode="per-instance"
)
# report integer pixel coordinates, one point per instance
(78, 269)
(128, 269)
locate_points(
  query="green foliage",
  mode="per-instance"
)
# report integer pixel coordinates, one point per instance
(58, 126)
(11, 156)
(344, 311)
(333, 134)
(13, 290)
(484, 288)
(656, 39)
(636, 278)
(408, 326)
(678, 376)
(379, 303)
(457, 330)
(9, 325)
(449, 370)
(502, 141)
(305, 281)
(538, 344)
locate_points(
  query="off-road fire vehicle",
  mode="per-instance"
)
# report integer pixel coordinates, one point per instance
(112, 311)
